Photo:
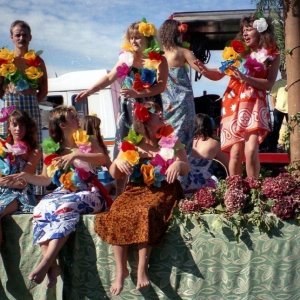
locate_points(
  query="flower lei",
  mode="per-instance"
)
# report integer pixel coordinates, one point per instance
(8, 155)
(76, 176)
(237, 55)
(22, 81)
(153, 171)
(146, 77)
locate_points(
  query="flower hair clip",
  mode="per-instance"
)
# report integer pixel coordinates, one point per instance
(182, 28)
(146, 29)
(260, 25)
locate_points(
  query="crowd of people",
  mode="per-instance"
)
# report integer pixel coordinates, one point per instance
(162, 147)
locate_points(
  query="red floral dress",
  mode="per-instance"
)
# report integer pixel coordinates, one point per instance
(244, 108)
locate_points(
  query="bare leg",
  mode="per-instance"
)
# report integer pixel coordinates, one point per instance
(49, 256)
(11, 208)
(251, 155)
(54, 270)
(121, 255)
(235, 160)
(142, 274)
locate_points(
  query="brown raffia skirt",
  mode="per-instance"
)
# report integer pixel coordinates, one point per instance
(139, 215)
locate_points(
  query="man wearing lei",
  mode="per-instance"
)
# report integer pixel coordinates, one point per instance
(153, 158)
(23, 75)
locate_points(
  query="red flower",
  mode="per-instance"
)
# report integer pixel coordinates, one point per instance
(182, 28)
(125, 146)
(165, 130)
(155, 56)
(33, 62)
(238, 46)
(3, 61)
(137, 83)
(141, 112)
(48, 159)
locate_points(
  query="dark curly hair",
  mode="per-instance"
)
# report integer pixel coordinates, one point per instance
(169, 34)
(31, 132)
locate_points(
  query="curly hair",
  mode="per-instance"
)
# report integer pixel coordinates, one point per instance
(169, 34)
(267, 38)
(203, 126)
(58, 115)
(22, 118)
(91, 124)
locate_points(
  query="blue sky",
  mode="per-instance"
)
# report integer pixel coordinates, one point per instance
(86, 34)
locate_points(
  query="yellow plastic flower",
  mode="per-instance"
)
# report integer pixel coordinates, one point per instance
(51, 169)
(30, 55)
(230, 54)
(66, 180)
(151, 64)
(7, 69)
(131, 156)
(33, 73)
(6, 55)
(147, 29)
(2, 151)
(81, 137)
(148, 174)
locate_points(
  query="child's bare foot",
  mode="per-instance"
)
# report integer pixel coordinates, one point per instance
(117, 285)
(142, 280)
(39, 273)
(52, 274)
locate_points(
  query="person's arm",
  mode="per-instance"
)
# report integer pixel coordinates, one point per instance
(179, 167)
(260, 83)
(102, 83)
(120, 167)
(43, 83)
(156, 89)
(197, 65)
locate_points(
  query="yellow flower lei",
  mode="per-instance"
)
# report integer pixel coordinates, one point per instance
(22, 80)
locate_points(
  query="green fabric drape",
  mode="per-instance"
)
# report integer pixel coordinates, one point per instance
(191, 263)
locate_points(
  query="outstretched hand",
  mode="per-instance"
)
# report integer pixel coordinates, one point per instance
(124, 166)
(82, 96)
(173, 172)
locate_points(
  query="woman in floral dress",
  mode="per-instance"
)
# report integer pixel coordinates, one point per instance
(153, 158)
(70, 157)
(19, 152)
(245, 114)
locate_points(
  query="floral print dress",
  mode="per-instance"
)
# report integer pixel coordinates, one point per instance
(244, 108)
(178, 105)
(25, 197)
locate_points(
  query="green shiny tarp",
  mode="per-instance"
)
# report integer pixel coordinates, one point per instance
(193, 262)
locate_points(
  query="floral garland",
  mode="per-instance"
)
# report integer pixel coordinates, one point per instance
(22, 81)
(75, 176)
(154, 170)
(237, 55)
(146, 77)
(8, 155)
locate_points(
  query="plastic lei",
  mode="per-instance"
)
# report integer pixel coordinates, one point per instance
(146, 76)
(8, 155)
(151, 171)
(21, 80)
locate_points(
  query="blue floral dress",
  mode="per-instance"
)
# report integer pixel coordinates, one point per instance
(178, 105)
(57, 213)
(25, 197)
(200, 175)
